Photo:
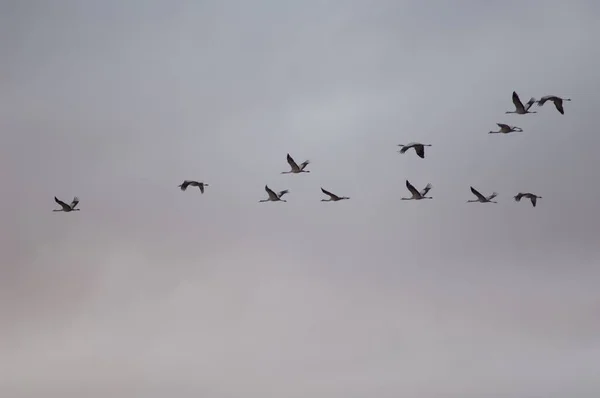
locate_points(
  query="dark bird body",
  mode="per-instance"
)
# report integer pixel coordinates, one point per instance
(418, 147)
(188, 183)
(273, 196)
(332, 197)
(558, 102)
(416, 195)
(67, 207)
(529, 196)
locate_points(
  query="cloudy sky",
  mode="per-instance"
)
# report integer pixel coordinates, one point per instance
(152, 292)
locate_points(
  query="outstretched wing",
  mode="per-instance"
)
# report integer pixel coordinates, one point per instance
(74, 202)
(529, 103)
(492, 196)
(304, 164)
(559, 106)
(404, 148)
(519, 196)
(292, 163)
(331, 195)
(281, 193)
(478, 194)
(543, 100)
(412, 189)
(420, 150)
(426, 189)
(533, 200)
(185, 184)
(504, 126)
(201, 186)
(271, 193)
(61, 203)
(517, 102)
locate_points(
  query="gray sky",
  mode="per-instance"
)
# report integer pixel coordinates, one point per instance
(148, 291)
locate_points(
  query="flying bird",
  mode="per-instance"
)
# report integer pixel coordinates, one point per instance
(274, 197)
(519, 107)
(419, 148)
(67, 207)
(558, 102)
(481, 198)
(332, 197)
(505, 129)
(529, 196)
(188, 183)
(416, 195)
(295, 168)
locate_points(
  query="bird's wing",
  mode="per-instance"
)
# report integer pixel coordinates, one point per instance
(74, 202)
(529, 103)
(404, 148)
(201, 186)
(292, 163)
(271, 193)
(518, 197)
(185, 184)
(61, 203)
(478, 194)
(559, 106)
(331, 195)
(517, 101)
(545, 98)
(492, 196)
(412, 189)
(304, 164)
(503, 126)
(281, 193)
(425, 190)
(420, 150)
(533, 200)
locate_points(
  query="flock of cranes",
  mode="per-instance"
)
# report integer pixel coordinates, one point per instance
(520, 109)
(419, 149)
(297, 169)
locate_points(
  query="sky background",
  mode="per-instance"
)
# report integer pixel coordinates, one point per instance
(152, 292)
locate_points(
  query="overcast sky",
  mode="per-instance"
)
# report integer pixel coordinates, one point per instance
(153, 292)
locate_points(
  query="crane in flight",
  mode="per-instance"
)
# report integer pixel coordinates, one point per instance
(274, 196)
(67, 207)
(481, 198)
